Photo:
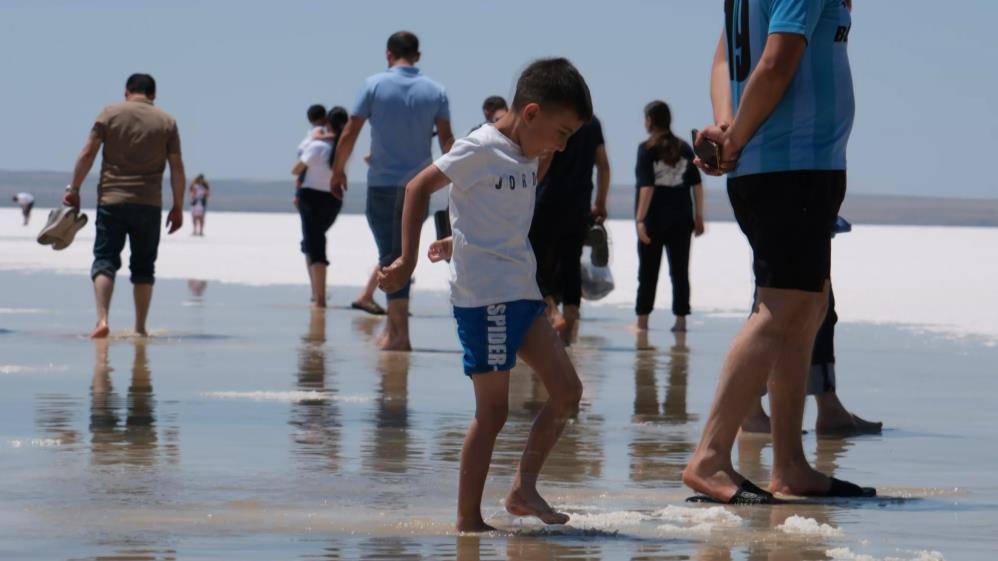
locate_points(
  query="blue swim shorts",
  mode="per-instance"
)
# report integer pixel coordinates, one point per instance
(492, 335)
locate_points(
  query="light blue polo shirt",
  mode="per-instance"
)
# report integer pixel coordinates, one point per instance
(810, 127)
(402, 106)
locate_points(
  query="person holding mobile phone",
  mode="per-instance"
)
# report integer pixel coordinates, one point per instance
(783, 109)
(668, 212)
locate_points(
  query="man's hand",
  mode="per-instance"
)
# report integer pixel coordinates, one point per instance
(599, 212)
(698, 226)
(393, 277)
(441, 250)
(643, 233)
(295, 202)
(338, 192)
(729, 150)
(338, 183)
(71, 198)
(175, 219)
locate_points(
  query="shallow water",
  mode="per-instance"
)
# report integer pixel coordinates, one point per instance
(250, 427)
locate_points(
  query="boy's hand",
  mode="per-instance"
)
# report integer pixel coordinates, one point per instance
(393, 277)
(698, 226)
(441, 250)
(338, 182)
(71, 198)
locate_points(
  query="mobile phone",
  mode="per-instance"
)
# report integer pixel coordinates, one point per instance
(708, 151)
(441, 219)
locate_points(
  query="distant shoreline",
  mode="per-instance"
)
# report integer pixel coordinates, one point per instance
(242, 195)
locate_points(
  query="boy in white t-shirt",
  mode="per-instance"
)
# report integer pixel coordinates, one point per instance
(498, 307)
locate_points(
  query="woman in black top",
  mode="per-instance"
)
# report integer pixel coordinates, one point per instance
(668, 211)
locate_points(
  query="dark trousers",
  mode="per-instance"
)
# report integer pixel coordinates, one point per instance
(140, 224)
(675, 237)
(318, 211)
(557, 239)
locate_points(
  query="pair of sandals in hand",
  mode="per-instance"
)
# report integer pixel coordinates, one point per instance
(61, 227)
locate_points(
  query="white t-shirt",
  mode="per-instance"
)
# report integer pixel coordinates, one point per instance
(315, 155)
(25, 199)
(308, 138)
(491, 207)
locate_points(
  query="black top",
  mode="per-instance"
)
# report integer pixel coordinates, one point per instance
(569, 181)
(672, 184)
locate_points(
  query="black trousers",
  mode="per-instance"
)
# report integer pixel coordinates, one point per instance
(675, 237)
(557, 238)
(318, 210)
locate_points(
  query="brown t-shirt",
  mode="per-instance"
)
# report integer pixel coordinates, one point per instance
(137, 139)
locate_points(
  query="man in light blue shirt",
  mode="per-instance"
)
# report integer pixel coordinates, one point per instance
(404, 107)
(783, 109)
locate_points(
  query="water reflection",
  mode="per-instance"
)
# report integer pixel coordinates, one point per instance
(114, 440)
(390, 449)
(659, 455)
(316, 421)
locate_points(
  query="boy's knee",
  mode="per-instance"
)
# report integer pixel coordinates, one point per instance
(492, 417)
(570, 394)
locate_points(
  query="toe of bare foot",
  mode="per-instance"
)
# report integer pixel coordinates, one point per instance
(100, 332)
(536, 507)
(474, 527)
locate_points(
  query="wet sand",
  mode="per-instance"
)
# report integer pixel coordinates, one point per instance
(250, 427)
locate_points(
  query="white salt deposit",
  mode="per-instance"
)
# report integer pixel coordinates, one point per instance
(672, 520)
(800, 525)
(34, 442)
(939, 278)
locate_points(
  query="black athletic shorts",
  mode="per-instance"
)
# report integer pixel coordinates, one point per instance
(788, 218)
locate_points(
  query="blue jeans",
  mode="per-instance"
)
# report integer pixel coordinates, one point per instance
(141, 225)
(384, 216)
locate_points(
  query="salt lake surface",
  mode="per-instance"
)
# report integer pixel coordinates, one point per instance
(250, 427)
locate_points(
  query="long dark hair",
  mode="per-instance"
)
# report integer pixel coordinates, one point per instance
(666, 146)
(336, 119)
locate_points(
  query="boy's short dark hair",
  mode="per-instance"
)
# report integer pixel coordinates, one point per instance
(316, 113)
(494, 103)
(403, 44)
(141, 84)
(554, 81)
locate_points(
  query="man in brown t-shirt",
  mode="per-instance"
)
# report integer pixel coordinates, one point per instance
(138, 139)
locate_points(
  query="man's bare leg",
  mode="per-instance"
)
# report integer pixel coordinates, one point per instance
(142, 294)
(396, 336)
(792, 474)
(317, 273)
(103, 289)
(542, 350)
(754, 353)
(491, 407)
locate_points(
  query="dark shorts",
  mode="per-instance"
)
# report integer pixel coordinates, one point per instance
(788, 219)
(141, 225)
(318, 211)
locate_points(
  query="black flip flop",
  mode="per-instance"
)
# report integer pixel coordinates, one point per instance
(748, 493)
(374, 309)
(845, 490)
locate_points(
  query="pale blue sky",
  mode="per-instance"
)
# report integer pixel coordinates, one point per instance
(238, 75)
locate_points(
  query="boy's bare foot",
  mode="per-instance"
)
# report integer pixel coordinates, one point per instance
(680, 325)
(522, 503)
(718, 482)
(100, 331)
(141, 332)
(476, 525)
